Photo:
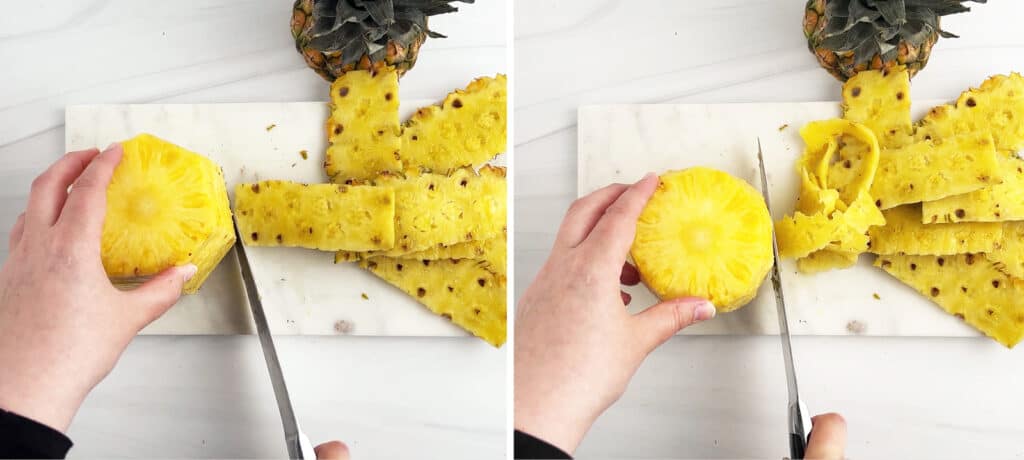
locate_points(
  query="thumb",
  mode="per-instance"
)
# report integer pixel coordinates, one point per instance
(334, 450)
(157, 295)
(828, 438)
(660, 322)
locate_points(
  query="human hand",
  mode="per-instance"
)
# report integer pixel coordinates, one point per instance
(828, 438)
(63, 325)
(333, 450)
(576, 345)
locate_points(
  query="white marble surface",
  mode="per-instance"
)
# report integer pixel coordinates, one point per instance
(724, 397)
(209, 396)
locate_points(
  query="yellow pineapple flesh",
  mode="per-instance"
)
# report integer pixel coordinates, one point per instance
(434, 210)
(935, 169)
(166, 206)
(998, 203)
(967, 286)
(825, 260)
(363, 130)
(328, 217)
(467, 129)
(880, 100)
(1008, 256)
(903, 233)
(997, 106)
(704, 233)
(464, 291)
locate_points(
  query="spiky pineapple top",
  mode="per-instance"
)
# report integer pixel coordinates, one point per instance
(335, 36)
(849, 36)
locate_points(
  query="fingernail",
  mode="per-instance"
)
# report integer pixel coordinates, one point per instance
(112, 146)
(189, 271)
(704, 311)
(646, 176)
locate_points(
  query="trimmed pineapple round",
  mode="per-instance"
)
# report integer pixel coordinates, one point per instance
(707, 234)
(166, 206)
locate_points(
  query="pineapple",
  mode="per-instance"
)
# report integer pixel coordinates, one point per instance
(850, 176)
(467, 129)
(363, 129)
(166, 206)
(851, 36)
(491, 251)
(880, 100)
(336, 36)
(826, 259)
(934, 169)
(997, 106)
(327, 217)
(466, 292)
(967, 286)
(903, 233)
(704, 233)
(433, 210)
(998, 203)
(1008, 256)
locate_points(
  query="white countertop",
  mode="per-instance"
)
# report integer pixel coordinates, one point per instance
(724, 397)
(210, 396)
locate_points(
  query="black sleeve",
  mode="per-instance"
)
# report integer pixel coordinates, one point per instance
(24, 438)
(527, 446)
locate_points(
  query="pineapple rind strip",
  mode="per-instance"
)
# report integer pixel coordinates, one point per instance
(904, 233)
(1008, 256)
(825, 260)
(967, 286)
(932, 170)
(880, 100)
(996, 106)
(363, 128)
(998, 203)
(466, 292)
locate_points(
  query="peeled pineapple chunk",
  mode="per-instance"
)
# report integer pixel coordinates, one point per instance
(704, 233)
(1008, 256)
(903, 233)
(467, 129)
(880, 100)
(998, 203)
(935, 169)
(997, 106)
(466, 292)
(433, 210)
(363, 129)
(327, 217)
(967, 286)
(166, 206)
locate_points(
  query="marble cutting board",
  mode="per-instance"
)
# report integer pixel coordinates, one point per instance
(619, 143)
(303, 291)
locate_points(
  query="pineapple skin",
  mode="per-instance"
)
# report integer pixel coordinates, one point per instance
(166, 207)
(881, 101)
(468, 128)
(903, 233)
(841, 64)
(363, 130)
(329, 66)
(326, 217)
(996, 106)
(704, 233)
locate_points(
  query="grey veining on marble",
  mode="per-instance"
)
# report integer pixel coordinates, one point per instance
(389, 398)
(724, 397)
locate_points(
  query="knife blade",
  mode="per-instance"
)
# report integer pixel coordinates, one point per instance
(799, 420)
(297, 442)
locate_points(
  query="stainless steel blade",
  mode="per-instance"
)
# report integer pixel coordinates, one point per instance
(797, 423)
(298, 445)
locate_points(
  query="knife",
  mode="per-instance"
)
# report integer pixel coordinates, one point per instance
(298, 443)
(799, 420)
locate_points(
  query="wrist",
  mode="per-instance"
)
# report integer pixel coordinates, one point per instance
(551, 422)
(46, 400)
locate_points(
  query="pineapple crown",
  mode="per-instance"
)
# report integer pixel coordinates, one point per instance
(876, 27)
(364, 27)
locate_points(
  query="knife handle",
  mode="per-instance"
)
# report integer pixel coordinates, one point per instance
(797, 446)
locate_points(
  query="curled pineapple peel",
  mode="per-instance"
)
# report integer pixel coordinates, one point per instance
(704, 233)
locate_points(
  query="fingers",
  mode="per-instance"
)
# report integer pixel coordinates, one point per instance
(629, 276)
(50, 189)
(584, 214)
(156, 296)
(16, 232)
(660, 322)
(613, 234)
(828, 437)
(87, 203)
(334, 450)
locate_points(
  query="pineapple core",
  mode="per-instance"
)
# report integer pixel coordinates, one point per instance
(166, 206)
(707, 234)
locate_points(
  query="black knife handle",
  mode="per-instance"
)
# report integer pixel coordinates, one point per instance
(797, 446)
